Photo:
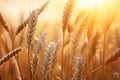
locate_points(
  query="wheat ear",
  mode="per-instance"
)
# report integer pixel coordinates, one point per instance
(21, 26)
(3, 23)
(92, 50)
(31, 28)
(38, 11)
(90, 28)
(32, 21)
(77, 68)
(40, 42)
(67, 13)
(93, 46)
(78, 34)
(76, 38)
(114, 57)
(61, 76)
(48, 61)
(10, 55)
(65, 22)
(30, 34)
(79, 16)
(34, 61)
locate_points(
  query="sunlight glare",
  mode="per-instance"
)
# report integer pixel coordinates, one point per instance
(90, 3)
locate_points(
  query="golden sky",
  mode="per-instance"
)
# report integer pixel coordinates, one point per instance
(12, 9)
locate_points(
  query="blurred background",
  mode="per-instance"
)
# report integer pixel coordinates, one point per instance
(12, 10)
(50, 21)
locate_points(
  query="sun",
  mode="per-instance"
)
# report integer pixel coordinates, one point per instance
(90, 3)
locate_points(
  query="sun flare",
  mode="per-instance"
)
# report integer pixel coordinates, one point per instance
(90, 3)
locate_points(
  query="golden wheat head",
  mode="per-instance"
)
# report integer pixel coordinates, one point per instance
(115, 56)
(38, 12)
(10, 55)
(3, 23)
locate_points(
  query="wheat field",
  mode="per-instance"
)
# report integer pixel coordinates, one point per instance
(72, 40)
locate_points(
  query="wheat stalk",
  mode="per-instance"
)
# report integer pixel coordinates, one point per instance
(9, 55)
(1, 54)
(106, 28)
(14, 70)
